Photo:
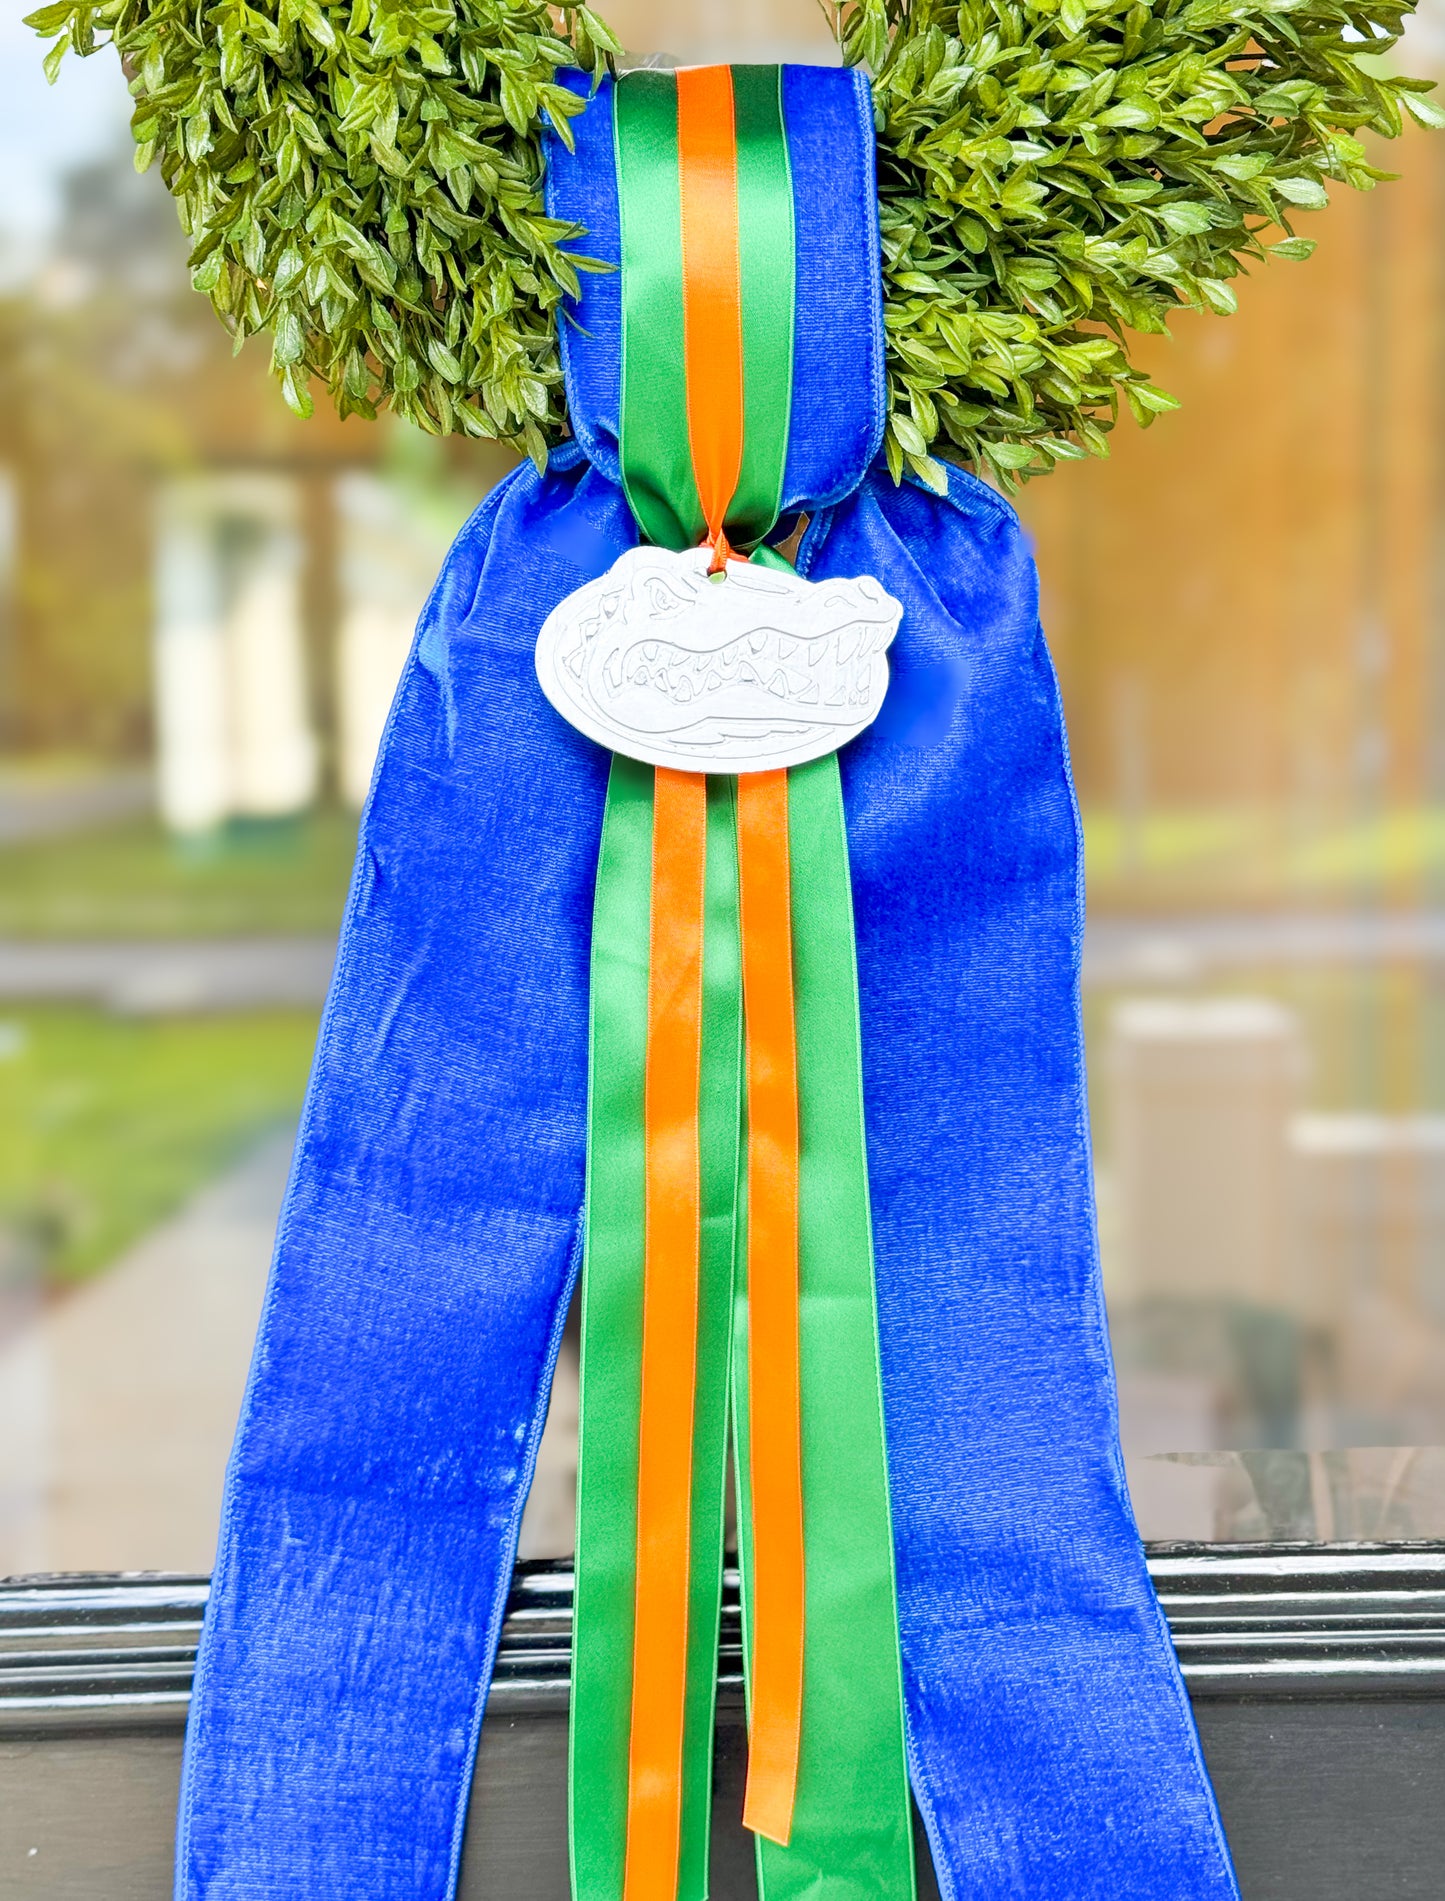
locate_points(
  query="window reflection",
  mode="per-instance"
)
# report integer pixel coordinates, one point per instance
(1246, 609)
(203, 608)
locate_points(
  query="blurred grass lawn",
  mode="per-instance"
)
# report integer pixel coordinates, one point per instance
(1250, 857)
(134, 880)
(108, 1123)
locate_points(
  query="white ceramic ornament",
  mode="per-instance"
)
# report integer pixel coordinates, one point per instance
(746, 671)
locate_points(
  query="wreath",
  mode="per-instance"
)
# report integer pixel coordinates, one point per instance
(363, 178)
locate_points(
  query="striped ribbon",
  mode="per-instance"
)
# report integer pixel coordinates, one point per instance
(728, 1259)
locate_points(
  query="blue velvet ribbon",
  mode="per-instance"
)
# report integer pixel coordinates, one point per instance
(430, 1236)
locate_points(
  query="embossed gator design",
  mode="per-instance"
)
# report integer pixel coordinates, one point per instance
(667, 664)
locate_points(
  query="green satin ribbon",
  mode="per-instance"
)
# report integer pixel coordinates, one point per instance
(851, 1835)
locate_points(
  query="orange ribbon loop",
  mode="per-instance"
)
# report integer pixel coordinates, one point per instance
(711, 291)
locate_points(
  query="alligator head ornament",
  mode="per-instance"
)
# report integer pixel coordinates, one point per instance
(745, 671)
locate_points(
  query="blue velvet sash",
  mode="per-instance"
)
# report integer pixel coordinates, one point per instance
(430, 1236)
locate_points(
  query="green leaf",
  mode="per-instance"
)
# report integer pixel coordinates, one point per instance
(443, 362)
(288, 342)
(47, 21)
(1147, 397)
(298, 397)
(1301, 191)
(597, 30)
(1010, 455)
(289, 267)
(1426, 112)
(1137, 113)
(1218, 295)
(930, 472)
(1185, 218)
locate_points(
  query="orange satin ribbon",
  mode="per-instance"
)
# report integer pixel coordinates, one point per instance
(775, 1461)
(712, 315)
(714, 367)
(669, 1335)
(711, 290)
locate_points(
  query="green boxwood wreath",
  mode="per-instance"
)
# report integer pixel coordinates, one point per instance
(362, 178)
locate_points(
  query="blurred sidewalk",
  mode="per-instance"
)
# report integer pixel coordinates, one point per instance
(1188, 948)
(45, 807)
(118, 1402)
(136, 1380)
(168, 975)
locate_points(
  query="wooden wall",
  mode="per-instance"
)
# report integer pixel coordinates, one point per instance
(1245, 601)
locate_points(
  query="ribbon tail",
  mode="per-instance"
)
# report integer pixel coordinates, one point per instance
(672, 1226)
(656, 1320)
(851, 1820)
(774, 1380)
